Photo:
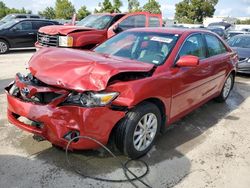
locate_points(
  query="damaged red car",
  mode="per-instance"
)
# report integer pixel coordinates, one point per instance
(129, 88)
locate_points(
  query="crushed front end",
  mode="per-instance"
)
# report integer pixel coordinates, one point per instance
(58, 114)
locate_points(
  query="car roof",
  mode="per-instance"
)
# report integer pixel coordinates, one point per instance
(111, 14)
(169, 30)
(34, 19)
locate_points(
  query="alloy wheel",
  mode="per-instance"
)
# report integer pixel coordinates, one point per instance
(3, 47)
(145, 132)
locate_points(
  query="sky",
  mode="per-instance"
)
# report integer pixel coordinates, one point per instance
(233, 8)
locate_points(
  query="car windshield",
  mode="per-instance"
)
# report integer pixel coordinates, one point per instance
(230, 35)
(95, 21)
(7, 18)
(8, 24)
(148, 47)
(240, 41)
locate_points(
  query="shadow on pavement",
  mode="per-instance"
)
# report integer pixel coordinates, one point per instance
(20, 51)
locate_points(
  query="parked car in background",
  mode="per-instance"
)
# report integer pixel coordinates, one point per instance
(223, 25)
(94, 29)
(18, 34)
(246, 29)
(219, 31)
(233, 33)
(137, 83)
(241, 44)
(10, 17)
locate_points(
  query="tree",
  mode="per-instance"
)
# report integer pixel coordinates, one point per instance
(83, 12)
(106, 6)
(64, 9)
(3, 9)
(48, 13)
(133, 6)
(194, 11)
(152, 6)
(247, 21)
(117, 4)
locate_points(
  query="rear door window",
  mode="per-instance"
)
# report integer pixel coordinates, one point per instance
(215, 46)
(154, 21)
(133, 22)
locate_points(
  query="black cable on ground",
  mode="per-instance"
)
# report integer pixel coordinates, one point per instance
(123, 165)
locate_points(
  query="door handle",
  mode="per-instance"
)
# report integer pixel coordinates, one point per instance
(31, 33)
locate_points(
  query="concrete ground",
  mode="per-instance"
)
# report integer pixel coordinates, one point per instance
(208, 148)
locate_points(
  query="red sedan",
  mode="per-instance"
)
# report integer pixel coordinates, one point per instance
(129, 88)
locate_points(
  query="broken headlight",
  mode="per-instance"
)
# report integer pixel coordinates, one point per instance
(90, 99)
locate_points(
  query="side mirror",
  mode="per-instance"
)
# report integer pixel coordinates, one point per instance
(117, 29)
(188, 61)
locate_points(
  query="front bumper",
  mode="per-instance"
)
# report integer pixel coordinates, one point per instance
(56, 121)
(243, 67)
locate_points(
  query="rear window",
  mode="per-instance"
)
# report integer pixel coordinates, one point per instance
(154, 22)
(133, 21)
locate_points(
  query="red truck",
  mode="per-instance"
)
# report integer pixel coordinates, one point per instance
(94, 29)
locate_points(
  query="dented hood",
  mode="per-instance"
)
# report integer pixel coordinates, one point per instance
(80, 70)
(63, 30)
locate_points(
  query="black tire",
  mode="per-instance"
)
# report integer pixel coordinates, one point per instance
(4, 46)
(222, 97)
(124, 133)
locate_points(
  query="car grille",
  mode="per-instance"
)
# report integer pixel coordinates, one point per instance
(39, 97)
(47, 40)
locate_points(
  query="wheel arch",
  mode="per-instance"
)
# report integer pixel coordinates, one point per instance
(4, 39)
(159, 104)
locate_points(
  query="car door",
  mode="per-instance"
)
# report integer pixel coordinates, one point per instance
(190, 85)
(128, 22)
(22, 35)
(219, 58)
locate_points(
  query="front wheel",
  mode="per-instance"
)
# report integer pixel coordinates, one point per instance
(136, 133)
(228, 85)
(4, 47)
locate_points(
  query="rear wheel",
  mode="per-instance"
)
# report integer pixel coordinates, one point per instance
(4, 47)
(136, 133)
(228, 85)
